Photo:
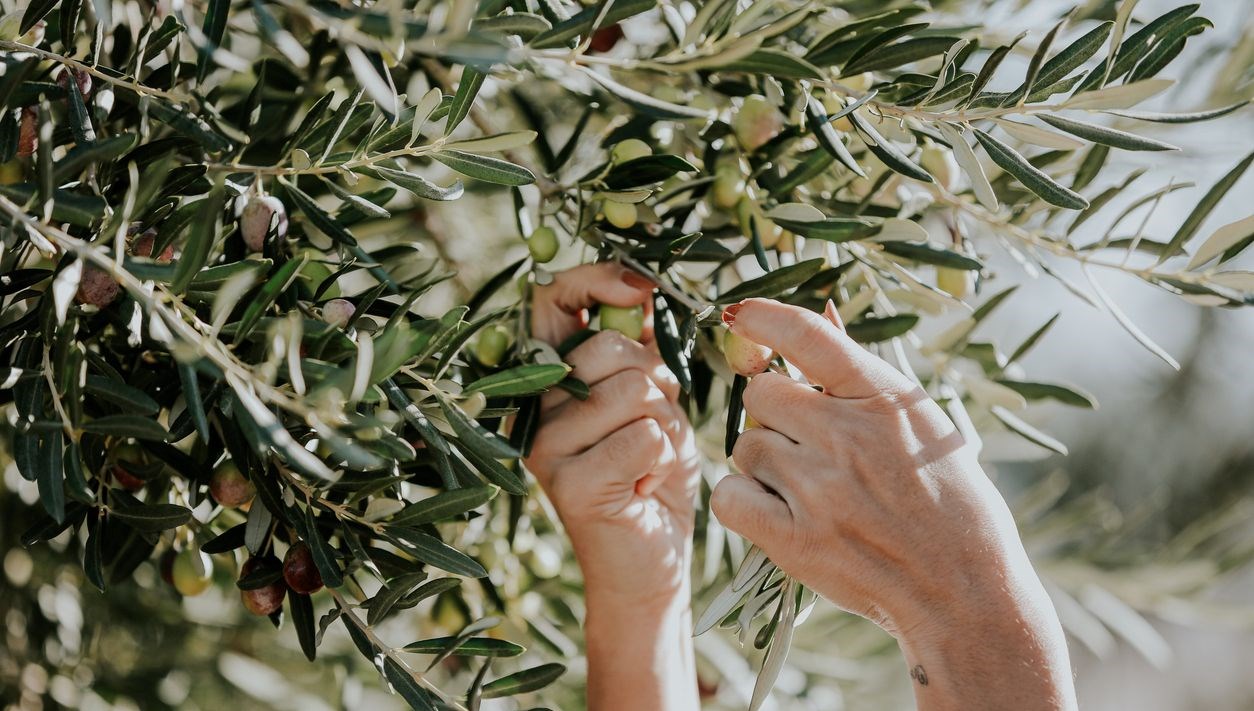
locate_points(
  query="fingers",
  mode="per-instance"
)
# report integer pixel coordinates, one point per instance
(637, 455)
(770, 458)
(609, 353)
(604, 283)
(561, 306)
(578, 425)
(815, 345)
(786, 406)
(747, 508)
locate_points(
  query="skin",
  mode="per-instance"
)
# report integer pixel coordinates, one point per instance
(621, 469)
(858, 485)
(863, 489)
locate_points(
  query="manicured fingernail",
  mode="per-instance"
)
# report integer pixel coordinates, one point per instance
(833, 315)
(729, 314)
(637, 280)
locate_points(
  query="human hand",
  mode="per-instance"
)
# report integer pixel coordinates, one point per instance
(621, 467)
(864, 491)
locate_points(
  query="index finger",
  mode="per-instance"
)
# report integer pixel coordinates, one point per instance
(813, 343)
(561, 307)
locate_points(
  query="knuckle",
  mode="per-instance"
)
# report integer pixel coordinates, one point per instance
(633, 384)
(770, 391)
(650, 437)
(751, 450)
(723, 500)
(812, 332)
(610, 343)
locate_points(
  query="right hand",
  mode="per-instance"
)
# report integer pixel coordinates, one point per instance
(864, 491)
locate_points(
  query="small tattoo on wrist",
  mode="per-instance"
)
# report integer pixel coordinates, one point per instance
(919, 675)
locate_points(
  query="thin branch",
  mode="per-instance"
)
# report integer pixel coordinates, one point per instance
(75, 64)
(390, 652)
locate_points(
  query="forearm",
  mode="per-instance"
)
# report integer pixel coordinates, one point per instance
(640, 656)
(1009, 654)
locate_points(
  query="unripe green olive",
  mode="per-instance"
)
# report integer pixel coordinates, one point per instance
(744, 356)
(314, 273)
(229, 486)
(12, 172)
(628, 321)
(629, 149)
(748, 213)
(757, 122)
(491, 345)
(543, 245)
(11, 25)
(955, 282)
(940, 163)
(859, 82)
(192, 572)
(620, 214)
(264, 600)
(338, 312)
(833, 105)
(299, 570)
(729, 185)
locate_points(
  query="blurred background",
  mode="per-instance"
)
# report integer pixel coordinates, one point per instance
(1144, 533)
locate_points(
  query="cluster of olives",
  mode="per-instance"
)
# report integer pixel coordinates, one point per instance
(190, 571)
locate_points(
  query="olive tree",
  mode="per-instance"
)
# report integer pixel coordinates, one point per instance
(239, 343)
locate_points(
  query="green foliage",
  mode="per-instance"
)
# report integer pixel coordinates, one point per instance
(266, 143)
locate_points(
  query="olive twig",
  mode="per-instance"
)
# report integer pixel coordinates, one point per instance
(79, 66)
(390, 652)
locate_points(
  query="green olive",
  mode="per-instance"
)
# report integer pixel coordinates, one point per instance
(744, 356)
(620, 214)
(492, 344)
(192, 572)
(543, 245)
(629, 149)
(757, 122)
(729, 185)
(628, 321)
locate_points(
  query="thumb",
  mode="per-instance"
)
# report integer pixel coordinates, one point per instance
(746, 507)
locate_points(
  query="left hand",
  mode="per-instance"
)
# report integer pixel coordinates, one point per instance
(620, 467)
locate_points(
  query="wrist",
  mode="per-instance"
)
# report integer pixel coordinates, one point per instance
(1000, 649)
(617, 578)
(657, 641)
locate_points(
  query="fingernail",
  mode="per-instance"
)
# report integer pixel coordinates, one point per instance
(637, 280)
(729, 314)
(833, 315)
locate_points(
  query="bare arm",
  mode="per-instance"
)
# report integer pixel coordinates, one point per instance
(621, 469)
